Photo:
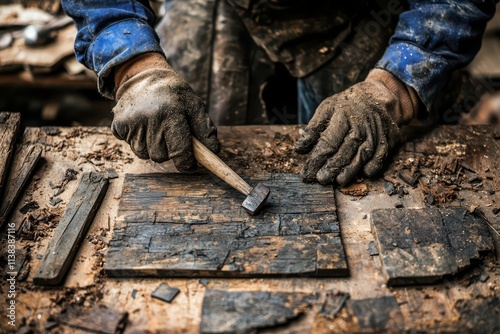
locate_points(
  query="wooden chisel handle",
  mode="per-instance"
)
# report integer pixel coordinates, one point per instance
(214, 164)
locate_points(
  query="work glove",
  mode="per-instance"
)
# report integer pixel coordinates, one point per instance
(354, 130)
(157, 112)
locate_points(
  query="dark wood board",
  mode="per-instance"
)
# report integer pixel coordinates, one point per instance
(247, 311)
(99, 319)
(194, 225)
(71, 229)
(420, 246)
(23, 164)
(9, 127)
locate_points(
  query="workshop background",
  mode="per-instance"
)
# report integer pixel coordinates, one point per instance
(40, 77)
(103, 247)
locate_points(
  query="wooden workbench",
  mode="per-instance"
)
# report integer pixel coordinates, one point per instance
(247, 149)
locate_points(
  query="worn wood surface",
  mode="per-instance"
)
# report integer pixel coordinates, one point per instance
(245, 312)
(9, 127)
(420, 246)
(99, 319)
(440, 307)
(194, 225)
(24, 161)
(71, 229)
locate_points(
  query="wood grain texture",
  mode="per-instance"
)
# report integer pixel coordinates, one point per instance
(23, 164)
(99, 319)
(69, 233)
(420, 246)
(9, 127)
(193, 225)
(246, 311)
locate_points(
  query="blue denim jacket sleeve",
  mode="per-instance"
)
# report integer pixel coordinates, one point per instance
(434, 38)
(110, 33)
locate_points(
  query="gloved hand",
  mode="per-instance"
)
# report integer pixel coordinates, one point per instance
(157, 112)
(355, 129)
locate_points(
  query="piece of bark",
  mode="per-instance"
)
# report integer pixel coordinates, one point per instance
(9, 128)
(420, 246)
(100, 319)
(24, 162)
(70, 231)
(246, 312)
(194, 225)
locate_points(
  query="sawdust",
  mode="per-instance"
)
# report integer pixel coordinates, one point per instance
(355, 189)
(277, 155)
(107, 152)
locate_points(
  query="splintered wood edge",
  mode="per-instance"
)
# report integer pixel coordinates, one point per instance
(412, 280)
(7, 149)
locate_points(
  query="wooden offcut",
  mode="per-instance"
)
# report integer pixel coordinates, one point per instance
(9, 127)
(419, 246)
(194, 225)
(23, 164)
(99, 319)
(248, 311)
(71, 229)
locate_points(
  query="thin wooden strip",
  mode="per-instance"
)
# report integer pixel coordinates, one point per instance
(9, 127)
(71, 229)
(23, 164)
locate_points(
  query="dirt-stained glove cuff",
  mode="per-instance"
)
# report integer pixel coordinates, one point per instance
(406, 95)
(139, 64)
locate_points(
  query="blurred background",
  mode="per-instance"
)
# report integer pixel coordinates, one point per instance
(40, 77)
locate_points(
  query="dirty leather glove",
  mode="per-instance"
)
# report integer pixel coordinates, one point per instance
(354, 130)
(157, 112)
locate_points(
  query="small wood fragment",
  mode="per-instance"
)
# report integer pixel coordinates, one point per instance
(165, 292)
(70, 231)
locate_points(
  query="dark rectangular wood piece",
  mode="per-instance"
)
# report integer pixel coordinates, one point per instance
(70, 231)
(99, 319)
(23, 164)
(248, 311)
(419, 246)
(194, 225)
(9, 127)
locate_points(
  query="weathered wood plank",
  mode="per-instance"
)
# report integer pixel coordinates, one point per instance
(246, 312)
(24, 162)
(192, 225)
(419, 246)
(99, 319)
(71, 229)
(9, 127)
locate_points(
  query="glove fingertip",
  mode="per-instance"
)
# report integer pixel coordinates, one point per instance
(185, 163)
(213, 144)
(370, 169)
(303, 146)
(307, 177)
